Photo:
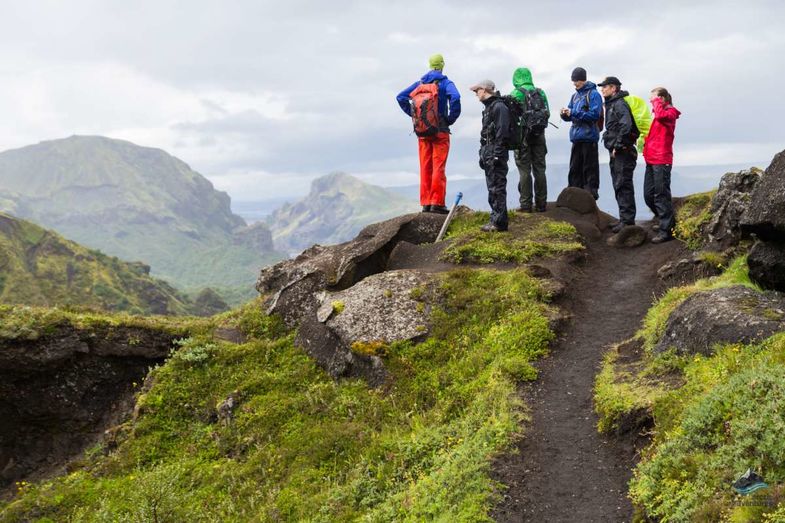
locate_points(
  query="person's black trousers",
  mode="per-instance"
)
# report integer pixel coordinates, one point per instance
(657, 194)
(496, 180)
(585, 167)
(530, 160)
(622, 167)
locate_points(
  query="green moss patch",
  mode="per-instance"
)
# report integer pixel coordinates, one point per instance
(693, 214)
(529, 236)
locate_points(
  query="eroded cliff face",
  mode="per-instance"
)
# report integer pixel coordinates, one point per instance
(61, 389)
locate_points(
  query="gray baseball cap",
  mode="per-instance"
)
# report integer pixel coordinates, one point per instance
(488, 85)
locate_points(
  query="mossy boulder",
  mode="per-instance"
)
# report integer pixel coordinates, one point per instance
(735, 314)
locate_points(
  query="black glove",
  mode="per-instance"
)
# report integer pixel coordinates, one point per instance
(482, 164)
(497, 162)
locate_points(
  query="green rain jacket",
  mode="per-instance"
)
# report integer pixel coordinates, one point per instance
(522, 78)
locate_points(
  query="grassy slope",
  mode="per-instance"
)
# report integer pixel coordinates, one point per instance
(302, 447)
(39, 267)
(714, 417)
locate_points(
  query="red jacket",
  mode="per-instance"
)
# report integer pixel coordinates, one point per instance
(658, 149)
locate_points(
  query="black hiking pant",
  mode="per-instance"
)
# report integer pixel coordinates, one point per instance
(585, 167)
(496, 180)
(657, 193)
(530, 160)
(622, 167)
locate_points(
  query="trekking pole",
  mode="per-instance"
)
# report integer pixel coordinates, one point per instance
(449, 217)
(553, 124)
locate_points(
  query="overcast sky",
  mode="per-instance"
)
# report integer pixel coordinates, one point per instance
(263, 96)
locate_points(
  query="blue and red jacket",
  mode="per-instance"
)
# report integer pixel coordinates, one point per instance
(449, 98)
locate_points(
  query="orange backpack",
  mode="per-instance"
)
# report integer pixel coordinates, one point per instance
(425, 109)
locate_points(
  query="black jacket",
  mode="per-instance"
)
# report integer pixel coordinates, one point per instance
(495, 128)
(620, 129)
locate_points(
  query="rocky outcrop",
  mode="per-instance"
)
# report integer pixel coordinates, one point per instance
(765, 217)
(302, 291)
(733, 198)
(60, 391)
(729, 315)
(765, 220)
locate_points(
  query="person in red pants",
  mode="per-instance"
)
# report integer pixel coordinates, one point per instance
(432, 123)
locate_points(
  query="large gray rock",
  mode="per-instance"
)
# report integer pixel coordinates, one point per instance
(728, 206)
(765, 216)
(295, 283)
(387, 307)
(302, 291)
(766, 261)
(729, 315)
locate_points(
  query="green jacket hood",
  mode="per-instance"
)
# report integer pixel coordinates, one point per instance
(522, 77)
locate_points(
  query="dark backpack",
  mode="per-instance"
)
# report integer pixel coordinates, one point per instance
(425, 109)
(515, 133)
(535, 112)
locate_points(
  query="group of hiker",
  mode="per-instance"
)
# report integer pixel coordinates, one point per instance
(518, 121)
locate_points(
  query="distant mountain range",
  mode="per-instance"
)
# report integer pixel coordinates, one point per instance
(41, 268)
(137, 203)
(334, 211)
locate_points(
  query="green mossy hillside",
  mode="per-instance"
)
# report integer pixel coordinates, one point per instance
(41, 268)
(297, 446)
(529, 236)
(713, 417)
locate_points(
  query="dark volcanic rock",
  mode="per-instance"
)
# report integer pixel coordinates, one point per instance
(730, 315)
(578, 200)
(766, 261)
(765, 216)
(728, 206)
(299, 286)
(630, 236)
(60, 391)
(686, 270)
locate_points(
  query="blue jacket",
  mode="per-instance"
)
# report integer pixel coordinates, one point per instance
(585, 109)
(449, 98)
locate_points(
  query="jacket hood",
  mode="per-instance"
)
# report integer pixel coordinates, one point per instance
(522, 77)
(432, 76)
(588, 86)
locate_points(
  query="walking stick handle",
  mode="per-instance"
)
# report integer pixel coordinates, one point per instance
(449, 217)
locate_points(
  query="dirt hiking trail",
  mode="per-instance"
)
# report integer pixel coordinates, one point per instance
(565, 470)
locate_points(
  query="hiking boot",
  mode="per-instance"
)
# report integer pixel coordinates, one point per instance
(615, 228)
(524, 209)
(662, 237)
(541, 208)
(426, 208)
(489, 227)
(439, 209)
